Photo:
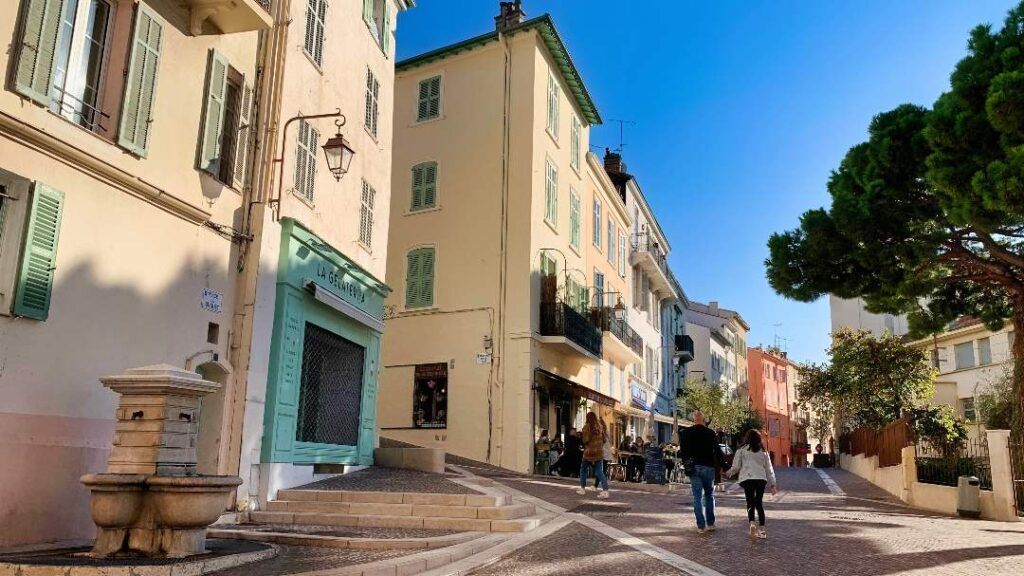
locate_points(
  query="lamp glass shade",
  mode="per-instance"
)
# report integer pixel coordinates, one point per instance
(339, 155)
(619, 311)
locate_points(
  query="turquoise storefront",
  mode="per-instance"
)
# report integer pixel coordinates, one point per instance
(325, 355)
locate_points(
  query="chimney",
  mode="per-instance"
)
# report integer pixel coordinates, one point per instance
(613, 163)
(713, 307)
(511, 15)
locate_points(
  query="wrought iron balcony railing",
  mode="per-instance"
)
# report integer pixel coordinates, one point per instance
(559, 319)
(604, 318)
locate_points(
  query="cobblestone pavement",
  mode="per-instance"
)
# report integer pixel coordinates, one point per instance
(298, 559)
(811, 532)
(592, 554)
(380, 479)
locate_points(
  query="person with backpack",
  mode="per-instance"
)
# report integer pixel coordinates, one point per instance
(754, 467)
(594, 436)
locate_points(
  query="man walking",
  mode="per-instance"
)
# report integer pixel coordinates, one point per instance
(701, 456)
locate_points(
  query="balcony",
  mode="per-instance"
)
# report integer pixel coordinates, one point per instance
(562, 326)
(228, 16)
(684, 348)
(652, 259)
(621, 343)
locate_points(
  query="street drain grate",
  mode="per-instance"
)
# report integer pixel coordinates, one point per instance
(610, 509)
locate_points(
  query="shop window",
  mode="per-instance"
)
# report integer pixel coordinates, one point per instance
(331, 389)
(430, 396)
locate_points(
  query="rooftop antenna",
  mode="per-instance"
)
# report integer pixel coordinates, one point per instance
(622, 124)
(775, 334)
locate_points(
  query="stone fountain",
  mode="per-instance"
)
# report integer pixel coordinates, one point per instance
(150, 501)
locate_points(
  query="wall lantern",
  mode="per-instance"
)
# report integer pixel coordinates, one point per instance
(619, 310)
(338, 152)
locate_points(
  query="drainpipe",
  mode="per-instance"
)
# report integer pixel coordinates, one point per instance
(271, 62)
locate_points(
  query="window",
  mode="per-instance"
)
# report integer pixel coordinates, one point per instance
(429, 103)
(548, 266)
(597, 223)
(305, 160)
(637, 286)
(611, 241)
(782, 374)
(419, 278)
(377, 15)
(316, 15)
(430, 396)
(330, 389)
(78, 60)
(553, 91)
(366, 215)
(599, 288)
(574, 219)
(964, 355)
(372, 109)
(551, 194)
(984, 352)
(30, 217)
(574, 154)
(424, 186)
(622, 255)
(970, 414)
(225, 133)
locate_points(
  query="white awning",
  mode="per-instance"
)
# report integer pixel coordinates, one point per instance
(334, 301)
(662, 418)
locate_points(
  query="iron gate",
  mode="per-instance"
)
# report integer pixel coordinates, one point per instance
(331, 389)
(1017, 475)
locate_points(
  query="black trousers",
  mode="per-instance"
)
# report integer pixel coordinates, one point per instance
(753, 490)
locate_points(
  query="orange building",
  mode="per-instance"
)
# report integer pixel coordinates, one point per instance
(768, 370)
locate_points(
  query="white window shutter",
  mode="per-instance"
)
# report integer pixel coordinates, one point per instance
(245, 131)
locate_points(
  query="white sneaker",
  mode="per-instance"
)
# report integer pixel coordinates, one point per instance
(581, 491)
(762, 534)
(711, 528)
(753, 530)
(603, 495)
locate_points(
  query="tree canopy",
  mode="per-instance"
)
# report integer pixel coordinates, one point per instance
(868, 381)
(927, 215)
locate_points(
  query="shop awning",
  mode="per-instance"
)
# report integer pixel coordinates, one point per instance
(544, 378)
(334, 301)
(663, 418)
(631, 411)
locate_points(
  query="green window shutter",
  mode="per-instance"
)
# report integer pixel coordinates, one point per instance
(429, 99)
(140, 85)
(427, 277)
(39, 256)
(368, 11)
(574, 219)
(412, 279)
(213, 116)
(424, 186)
(36, 53)
(245, 111)
(551, 195)
(385, 41)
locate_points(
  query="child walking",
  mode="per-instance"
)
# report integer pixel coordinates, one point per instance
(755, 470)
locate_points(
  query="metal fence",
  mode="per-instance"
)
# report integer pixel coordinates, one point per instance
(560, 319)
(1017, 475)
(945, 467)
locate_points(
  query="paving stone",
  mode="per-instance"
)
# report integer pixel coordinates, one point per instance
(297, 559)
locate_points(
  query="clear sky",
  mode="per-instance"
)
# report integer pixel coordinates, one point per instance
(742, 108)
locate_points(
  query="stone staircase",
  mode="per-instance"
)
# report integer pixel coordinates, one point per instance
(454, 512)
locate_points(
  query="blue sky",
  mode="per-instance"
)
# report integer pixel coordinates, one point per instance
(742, 109)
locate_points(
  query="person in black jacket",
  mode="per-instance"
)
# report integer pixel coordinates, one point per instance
(569, 463)
(700, 452)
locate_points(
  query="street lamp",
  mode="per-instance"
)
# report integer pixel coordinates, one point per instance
(619, 311)
(338, 152)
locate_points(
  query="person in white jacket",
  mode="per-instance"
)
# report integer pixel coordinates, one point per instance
(754, 467)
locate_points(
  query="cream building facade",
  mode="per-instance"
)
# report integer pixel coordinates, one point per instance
(720, 345)
(123, 174)
(489, 333)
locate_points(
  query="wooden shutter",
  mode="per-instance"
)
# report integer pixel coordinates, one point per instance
(245, 114)
(300, 157)
(418, 174)
(429, 99)
(311, 147)
(368, 11)
(39, 256)
(424, 101)
(412, 279)
(385, 30)
(36, 53)
(321, 18)
(366, 215)
(430, 185)
(140, 85)
(427, 277)
(213, 116)
(435, 97)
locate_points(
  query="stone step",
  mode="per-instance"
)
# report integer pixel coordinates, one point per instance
(391, 497)
(508, 512)
(520, 524)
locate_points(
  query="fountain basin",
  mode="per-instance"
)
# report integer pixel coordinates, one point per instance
(116, 498)
(187, 502)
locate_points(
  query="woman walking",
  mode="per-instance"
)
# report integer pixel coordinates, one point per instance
(755, 471)
(594, 436)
